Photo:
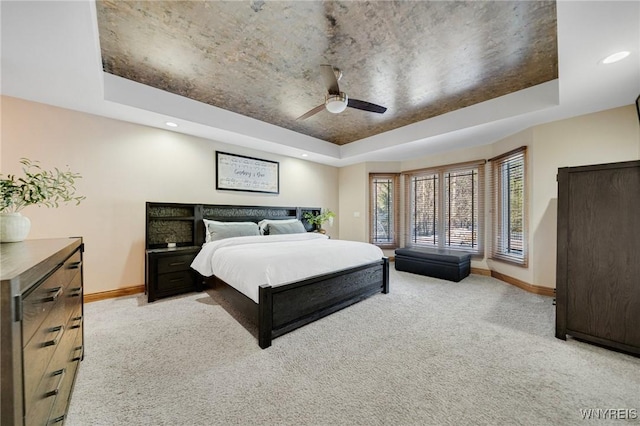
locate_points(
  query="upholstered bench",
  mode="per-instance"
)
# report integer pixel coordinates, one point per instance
(452, 265)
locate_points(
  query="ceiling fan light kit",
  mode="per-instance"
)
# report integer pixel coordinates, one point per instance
(336, 103)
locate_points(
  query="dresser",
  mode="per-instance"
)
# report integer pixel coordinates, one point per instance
(42, 328)
(598, 273)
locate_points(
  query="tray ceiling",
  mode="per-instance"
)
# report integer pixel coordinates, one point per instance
(262, 59)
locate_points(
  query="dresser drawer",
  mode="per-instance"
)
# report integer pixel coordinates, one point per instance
(175, 263)
(39, 408)
(48, 350)
(62, 354)
(72, 361)
(51, 397)
(37, 305)
(168, 283)
(73, 294)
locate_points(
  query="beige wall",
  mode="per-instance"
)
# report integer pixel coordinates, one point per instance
(353, 214)
(603, 137)
(124, 165)
(607, 136)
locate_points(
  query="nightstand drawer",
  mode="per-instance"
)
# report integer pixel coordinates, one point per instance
(175, 281)
(168, 272)
(175, 263)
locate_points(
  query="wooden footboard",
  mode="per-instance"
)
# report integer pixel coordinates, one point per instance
(287, 307)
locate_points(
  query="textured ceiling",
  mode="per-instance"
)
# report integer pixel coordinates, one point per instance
(262, 59)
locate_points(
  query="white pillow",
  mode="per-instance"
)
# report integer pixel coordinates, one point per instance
(216, 230)
(263, 225)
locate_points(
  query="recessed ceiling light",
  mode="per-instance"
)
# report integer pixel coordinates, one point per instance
(171, 124)
(618, 56)
(305, 155)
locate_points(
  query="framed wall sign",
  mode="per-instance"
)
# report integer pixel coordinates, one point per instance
(240, 173)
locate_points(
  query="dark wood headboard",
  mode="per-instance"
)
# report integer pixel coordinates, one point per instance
(182, 223)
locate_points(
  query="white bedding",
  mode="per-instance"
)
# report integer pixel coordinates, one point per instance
(248, 262)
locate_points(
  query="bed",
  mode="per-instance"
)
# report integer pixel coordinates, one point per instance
(286, 297)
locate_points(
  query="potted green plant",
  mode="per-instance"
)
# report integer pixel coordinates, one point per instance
(37, 187)
(318, 219)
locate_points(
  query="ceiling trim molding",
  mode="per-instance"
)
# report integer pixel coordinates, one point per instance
(536, 98)
(196, 117)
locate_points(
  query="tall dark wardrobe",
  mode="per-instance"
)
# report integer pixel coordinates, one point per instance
(598, 259)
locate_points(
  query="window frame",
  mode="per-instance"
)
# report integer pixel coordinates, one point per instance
(394, 178)
(441, 210)
(501, 213)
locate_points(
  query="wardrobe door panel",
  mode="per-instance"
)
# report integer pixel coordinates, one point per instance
(598, 274)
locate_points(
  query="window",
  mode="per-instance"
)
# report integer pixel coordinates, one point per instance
(383, 223)
(508, 192)
(444, 207)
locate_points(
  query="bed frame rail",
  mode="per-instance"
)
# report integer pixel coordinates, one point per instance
(285, 308)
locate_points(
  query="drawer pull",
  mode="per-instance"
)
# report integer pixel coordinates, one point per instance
(57, 291)
(57, 389)
(76, 349)
(76, 319)
(75, 265)
(77, 291)
(56, 420)
(177, 263)
(60, 331)
(176, 280)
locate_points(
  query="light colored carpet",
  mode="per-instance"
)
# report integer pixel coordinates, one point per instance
(430, 352)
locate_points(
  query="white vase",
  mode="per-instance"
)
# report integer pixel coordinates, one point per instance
(13, 227)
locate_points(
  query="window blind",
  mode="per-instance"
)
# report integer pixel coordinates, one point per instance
(444, 207)
(509, 207)
(384, 194)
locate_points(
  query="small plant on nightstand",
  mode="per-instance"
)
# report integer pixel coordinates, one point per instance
(318, 219)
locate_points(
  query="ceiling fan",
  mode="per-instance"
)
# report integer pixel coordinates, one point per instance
(336, 101)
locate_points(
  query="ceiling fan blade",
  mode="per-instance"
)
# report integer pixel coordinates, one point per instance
(312, 112)
(330, 79)
(366, 106)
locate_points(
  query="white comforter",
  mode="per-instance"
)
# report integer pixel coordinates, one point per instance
(248, 262)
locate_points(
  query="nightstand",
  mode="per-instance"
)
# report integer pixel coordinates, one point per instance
(168, 272)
